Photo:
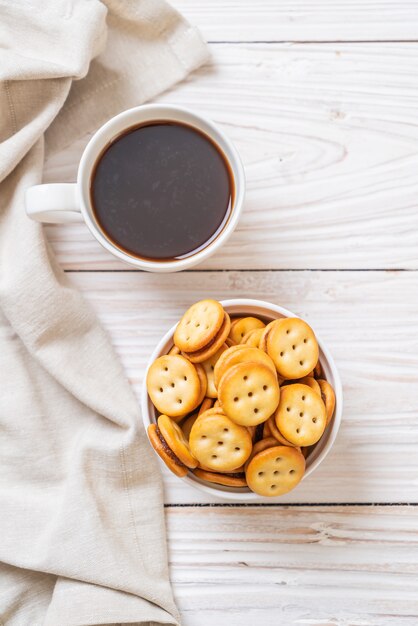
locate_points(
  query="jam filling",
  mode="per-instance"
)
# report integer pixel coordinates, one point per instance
(232, 475)
(168, 450)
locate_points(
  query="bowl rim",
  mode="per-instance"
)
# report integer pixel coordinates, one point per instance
(320, 452)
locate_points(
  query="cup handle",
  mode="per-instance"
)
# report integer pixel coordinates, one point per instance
(54, 203)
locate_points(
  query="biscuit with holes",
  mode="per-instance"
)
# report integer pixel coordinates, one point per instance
(209, 366)
(233, 479)
(263, 337)
(172, 462)
(173, 385)
(173, 436)
(199, 325)
(328, 398)
(174, 350)
(243, 326)
(263, 444)
(213, 346)
(301, 415)
(252, 339)
(242, 354)
(249, 393)
(218, 443)
(275, 432)
(275, 471)
(225, 354)
(292, 345)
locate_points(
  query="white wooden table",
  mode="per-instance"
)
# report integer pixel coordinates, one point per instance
(321, 99)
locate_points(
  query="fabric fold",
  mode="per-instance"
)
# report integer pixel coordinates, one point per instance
(81, 504)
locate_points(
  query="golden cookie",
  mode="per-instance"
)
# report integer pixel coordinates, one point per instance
(217, 404)
(236, 479)
(173, 463)
(328, 398)
(229, 342)
(209, 367)
(275, 471)
(187, 424)
(307, 380)
(249, 393)
(234, 320)
(263, 337)
(275, 432)
(243, 326)
(205, 353)
(292, 345)
(215, 410)
(199, 325)
(266, 430)
(173, 385)
(206, 404)
(252, 431)
(311, 382)
(225, 355)
(318, 370)
(261, 445)
(237, 470)
(174, 350)
(218, 443)
(241, 354)
(203, 382)
(176, 441)
(252, 338)
(301, 415)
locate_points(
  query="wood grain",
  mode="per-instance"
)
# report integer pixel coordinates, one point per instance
(329, 138)
(317, 566)
(302, 20)
(367, 319)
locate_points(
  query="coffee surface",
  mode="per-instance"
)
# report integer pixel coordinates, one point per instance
(161, 191)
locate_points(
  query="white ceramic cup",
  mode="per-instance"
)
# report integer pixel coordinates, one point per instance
(70, 202)
(268, 312)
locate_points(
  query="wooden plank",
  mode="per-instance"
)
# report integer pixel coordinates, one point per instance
(367, 319)
(302, 20)
(342, 566)
(329, 140)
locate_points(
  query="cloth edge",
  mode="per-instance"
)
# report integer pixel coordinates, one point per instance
(188, 50)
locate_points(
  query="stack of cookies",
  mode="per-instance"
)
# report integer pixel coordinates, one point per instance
(242, 403)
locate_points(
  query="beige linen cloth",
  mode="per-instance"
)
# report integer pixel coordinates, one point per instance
(82, 538)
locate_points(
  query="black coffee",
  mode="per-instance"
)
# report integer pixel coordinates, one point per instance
(162, 191)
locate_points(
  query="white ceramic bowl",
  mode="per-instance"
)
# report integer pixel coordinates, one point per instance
(267, 312)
